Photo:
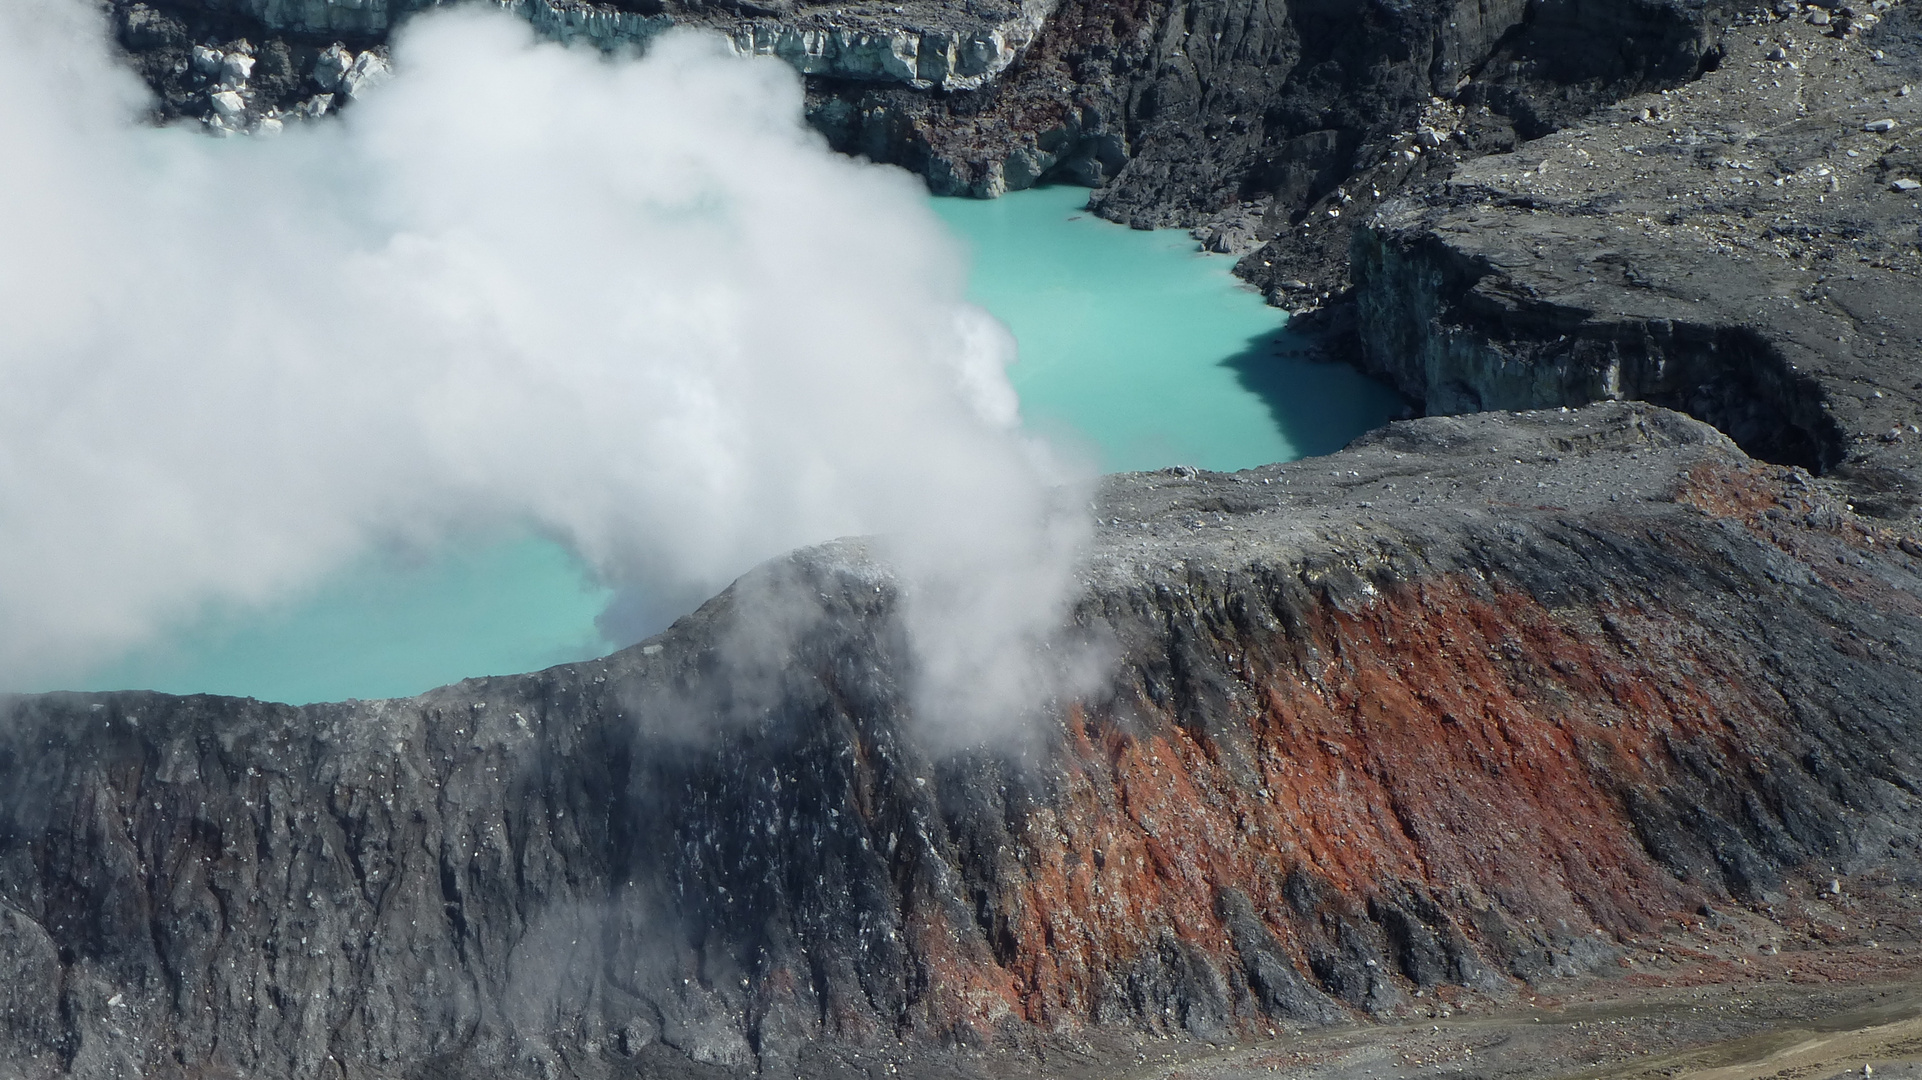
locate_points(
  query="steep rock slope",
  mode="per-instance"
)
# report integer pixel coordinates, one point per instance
(1744, 248)
(1268, 125)
(286, 60)
(1738, 246)
(1477, 700)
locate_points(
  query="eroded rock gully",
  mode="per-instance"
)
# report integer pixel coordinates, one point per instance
(1477, 708)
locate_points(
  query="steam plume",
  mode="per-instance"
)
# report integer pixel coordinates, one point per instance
(636, 304)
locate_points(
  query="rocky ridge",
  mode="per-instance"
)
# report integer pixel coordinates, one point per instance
(1481, 709)
(1743, 247)
(1236, 118)
(1718, 206)
(1477, 708)
(1250, 122)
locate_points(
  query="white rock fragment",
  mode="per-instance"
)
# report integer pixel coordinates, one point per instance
(315, 107)
(236, 68)
(1429, 138)
(369, 70)
(1905, 185)
(1818, 17)
(207, 61)
(1879, 126)
(270, 126)
(333, 63)
(228, 104)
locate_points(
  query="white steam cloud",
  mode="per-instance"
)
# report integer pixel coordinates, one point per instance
(636, 304)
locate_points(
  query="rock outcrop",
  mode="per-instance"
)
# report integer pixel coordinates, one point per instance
(1242, 118)
(1710, 214)
(1271, 126)
(1740, 248)
(924, 46)
(1477, 700)
(1481, 703)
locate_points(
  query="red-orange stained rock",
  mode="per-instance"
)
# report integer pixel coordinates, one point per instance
(1457, 736)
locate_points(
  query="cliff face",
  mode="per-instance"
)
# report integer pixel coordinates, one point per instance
(923, 45)
(1456, 334)
(1242, 117)
(1741, 248)
(1479, 703)
(1474, 701)
(1272, 126)
(1534, 233)
(1268, 125)
(298, 59)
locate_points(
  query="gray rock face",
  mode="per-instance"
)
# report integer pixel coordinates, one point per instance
(919, 44)
(355, 18)
(1493, 78)
(1730, 248)
(1182, 112)
(1455, 335)
(1198, 108)
(1388, 720)
(1480, 700)
(936, 51)
(1270, 128)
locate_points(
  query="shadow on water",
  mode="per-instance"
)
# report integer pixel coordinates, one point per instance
(1320, 405)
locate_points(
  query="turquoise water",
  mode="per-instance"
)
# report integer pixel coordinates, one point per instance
(389, 627)
(1150, 352)
(1134, 348)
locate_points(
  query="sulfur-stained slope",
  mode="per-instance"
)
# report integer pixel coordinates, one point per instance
(1463, 712)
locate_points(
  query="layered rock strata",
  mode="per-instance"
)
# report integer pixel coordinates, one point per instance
(1480, 704)
(1733, 246)
(1476, 701)
(1245, 119)
(922, 46)
(1744, 247)
(1242, 118)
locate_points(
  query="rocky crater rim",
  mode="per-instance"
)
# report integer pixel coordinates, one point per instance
(1740, 247)
(1275, 136)
(1480, 709)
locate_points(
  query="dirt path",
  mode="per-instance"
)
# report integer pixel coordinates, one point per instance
(1840, 1044)
(1750, 1031)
